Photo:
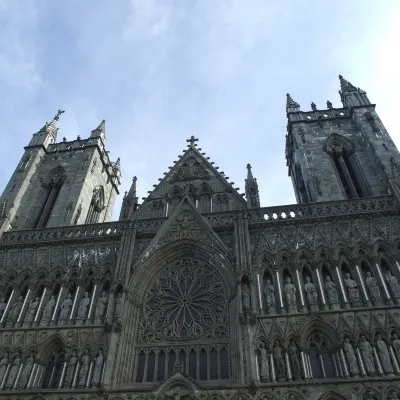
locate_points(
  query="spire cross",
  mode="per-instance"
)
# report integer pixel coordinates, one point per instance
(57, 116)
(192, 141)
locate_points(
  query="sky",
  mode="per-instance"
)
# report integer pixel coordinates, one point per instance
(159, 71)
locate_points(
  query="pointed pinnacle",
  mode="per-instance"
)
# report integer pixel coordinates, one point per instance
(132, 190)
(117, 164)
(249, 173)
(290, 103)
(101, 127)
(345, 86)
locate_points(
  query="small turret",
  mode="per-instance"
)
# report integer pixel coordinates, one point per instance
(251, 187)
(100, 131)
(48, 134)
(129, 203)
(291, 105)
(352, 96)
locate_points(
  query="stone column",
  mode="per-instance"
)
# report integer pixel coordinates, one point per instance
(18, 375)
(322, 365)
(89, 376)
(344, 296)
(32, 375)
(345, 369)
(394, 360)
(3, 382)
(60, 384)
(360, 361)
(289, 372)
(73, 309)
(383, 283)
(309, 365)
(53, 317)
(259, 291)
(75, 375)
(300, 287)
(23, 309)
(338, 371)
(273, 373)
(7, 306)
(378, 361)
(363, 288)
(278, 280)
(110, 308)
(239, 294)
(89, 316)
(303, 363)
(36, 320)
(321, 288)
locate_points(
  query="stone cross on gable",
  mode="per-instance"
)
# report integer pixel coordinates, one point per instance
(192, 141)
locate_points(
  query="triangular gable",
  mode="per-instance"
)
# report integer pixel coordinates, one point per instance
(177, 383)
(192, 170)
(185, 223)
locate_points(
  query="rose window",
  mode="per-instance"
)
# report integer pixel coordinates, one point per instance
(186, 301)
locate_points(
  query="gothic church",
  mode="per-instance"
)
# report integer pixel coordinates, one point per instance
(198, 292)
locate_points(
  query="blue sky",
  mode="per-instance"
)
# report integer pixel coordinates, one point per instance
(159, 71)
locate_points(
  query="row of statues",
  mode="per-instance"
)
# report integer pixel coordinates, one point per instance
(64, 313)
(70, 370)
(331, 292)
(376, 360)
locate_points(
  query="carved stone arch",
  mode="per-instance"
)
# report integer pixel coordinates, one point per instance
(363, 332)
(292, 394)
(40, 397)
(362, 248)
(57, 273)
(174, 251)
(364, 395)
(277, 338)
(343, 253)
(177, 380)
(30, 349)
(380, 331)
(262, 338)
(390, 389)
(336, 143)
(55, 178)
(331, 395)
(266, 395)
(303, 254)
(50, 344)
(323, 254)
(381, 246)
(321, 327)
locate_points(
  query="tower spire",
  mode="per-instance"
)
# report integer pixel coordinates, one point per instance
(291, 105)
(129, 203)
(346, 86)
(100, 131)
(350, 95)
(251, 187)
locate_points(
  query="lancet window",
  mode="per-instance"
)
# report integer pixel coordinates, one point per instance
(346, 165)
(96, 205)
(54, 369)
(321, 358)
(44, 205)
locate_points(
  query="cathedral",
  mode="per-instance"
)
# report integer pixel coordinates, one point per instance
(198, 292)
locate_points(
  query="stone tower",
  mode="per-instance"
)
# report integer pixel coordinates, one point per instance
(339, 153)
(61, 183)
(198, 292)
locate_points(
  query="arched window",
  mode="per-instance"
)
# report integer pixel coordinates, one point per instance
(321, 357)
(174, 197)
(96, 205)
(205, 198)
(346, 165)
(54, 369)
(47, 197)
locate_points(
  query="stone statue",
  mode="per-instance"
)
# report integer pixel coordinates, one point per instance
(313, 106)
(3, 306)
(393, 396)
(396, 345)
(3, 366)
(279, 362)
(13, 371)
(373, 290)
(31, 311)
(119, 308)
(332, 294)
(393, 285)
(270, 297)
(246, 297)
(264, 366)
(369, 395)
(48, 312)
(69, 375)
(383, 353)
(329, 104)
(294, 359)
(26, 371)
(65, 310)
(98, 369)
(351, 357)
(367, 356)
(82, 309)
(100, 308)
(312, 295)
(352, 291)
(14, 312)
(290, 292)
(83, 372)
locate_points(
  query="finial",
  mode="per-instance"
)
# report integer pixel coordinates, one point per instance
(329, 104)
(134, 179)
(57, 116)
(248, 166)
(290, 103)
(192, 141)
(313, 106)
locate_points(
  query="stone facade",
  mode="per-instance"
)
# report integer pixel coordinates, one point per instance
(198, 292)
